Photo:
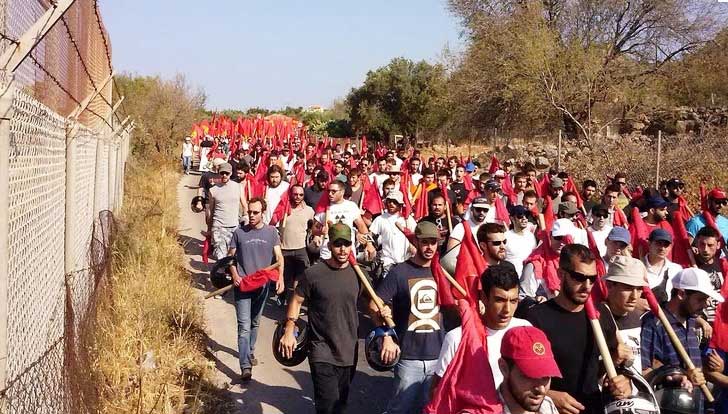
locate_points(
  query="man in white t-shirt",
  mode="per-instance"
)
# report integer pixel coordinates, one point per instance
(344, 211)
(521, 241)
(600, 227)
(660, 270)
(275, 189)
(389, 227)
(500, 297)
(478, 211)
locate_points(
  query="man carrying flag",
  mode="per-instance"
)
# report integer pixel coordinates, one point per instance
(254, 246)
(564, 321)
(411, 291)
(293, 226)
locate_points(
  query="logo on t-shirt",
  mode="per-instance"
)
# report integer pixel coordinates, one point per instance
(424, 310)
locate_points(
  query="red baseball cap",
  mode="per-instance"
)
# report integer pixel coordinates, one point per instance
(717, 194)
(531, 351)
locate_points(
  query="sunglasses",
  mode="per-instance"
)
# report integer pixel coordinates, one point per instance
(253, 213)
(480, 210)
(580, 277)
(224, 173)
(522, 216)
(723, 202)
(341, 243)
(497, 242)
(297, 194)
(622, 182)
(603, 216)
(559, 238)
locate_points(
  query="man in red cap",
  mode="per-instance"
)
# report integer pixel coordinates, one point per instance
(717, 200)
(527, 364)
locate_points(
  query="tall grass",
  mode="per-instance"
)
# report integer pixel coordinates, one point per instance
(149, 337)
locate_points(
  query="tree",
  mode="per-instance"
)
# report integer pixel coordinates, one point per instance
(579, 55)
(402, 97)
(163, 111)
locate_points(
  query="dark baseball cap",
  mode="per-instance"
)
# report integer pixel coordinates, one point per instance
(656, 202)
(339, 231)
(600, 208)
(660, 235)
(519, 210)
(568, 207)
(557, 182)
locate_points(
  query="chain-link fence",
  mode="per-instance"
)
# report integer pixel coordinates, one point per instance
(63, 148)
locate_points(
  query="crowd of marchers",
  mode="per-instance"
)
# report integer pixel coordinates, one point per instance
(493, 289)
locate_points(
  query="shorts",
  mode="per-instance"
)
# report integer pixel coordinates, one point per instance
(221, 237)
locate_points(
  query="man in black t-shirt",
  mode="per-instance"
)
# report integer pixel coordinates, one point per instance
(411, 291)
(438, 217)
(331, 289)
(313, 193)
(565, 323)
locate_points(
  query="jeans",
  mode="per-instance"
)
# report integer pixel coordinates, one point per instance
(248, 308)
(186, 162)
(412, 379)
(330, 387)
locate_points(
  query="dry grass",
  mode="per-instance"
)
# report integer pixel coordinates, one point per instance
(149, 340)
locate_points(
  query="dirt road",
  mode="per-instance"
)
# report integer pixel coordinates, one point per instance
(274, 388)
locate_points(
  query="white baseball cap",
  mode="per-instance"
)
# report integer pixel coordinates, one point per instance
(696, 279)
(563, 227)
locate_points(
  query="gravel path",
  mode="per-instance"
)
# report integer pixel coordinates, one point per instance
(274, 388)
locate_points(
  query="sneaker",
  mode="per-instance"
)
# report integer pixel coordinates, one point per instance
(253, 360)
(247, 375)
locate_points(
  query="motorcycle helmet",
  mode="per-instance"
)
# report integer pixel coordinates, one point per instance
(643, 402)
(300, 352)
(672, 398)
(220, 273)
(373, 348)
(198, 199)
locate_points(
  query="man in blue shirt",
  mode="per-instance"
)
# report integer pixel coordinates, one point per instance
(717, 200)
(690, 294)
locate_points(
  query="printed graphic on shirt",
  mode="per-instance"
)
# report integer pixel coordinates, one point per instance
(424, 310)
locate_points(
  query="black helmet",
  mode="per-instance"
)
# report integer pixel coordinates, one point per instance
(644, 402)
(220, 273)
(673, 398)
(198, 199)
(373, 351)
(300, 352)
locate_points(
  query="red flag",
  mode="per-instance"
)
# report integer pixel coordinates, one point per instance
(470, 265)
(467, 385)
(468, 181)
(206, 250)
(258, 279)
(282, 209)
(494, 165)
(372, 201)
(571, 188)
(600, 287)
(364, 146)
(720, 325)
(639, 233)
(619, 218)
(591, 310)
(444, 288)
(421, 203)
(681, 241)
(683, 207)
(703, 197)
(508, 190)
(501, 212)
(299, 171)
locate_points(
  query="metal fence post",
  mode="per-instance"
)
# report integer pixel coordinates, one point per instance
(558, 163)
(659, 156)
(69, 257)
(6, 102)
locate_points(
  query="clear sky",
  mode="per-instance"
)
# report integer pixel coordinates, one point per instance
(274, 53)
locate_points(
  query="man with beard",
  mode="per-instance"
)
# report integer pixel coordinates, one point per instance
(521, 241)
(478, 212)
(438, 217)
(675, 188)
(520, 186)
(254, 246)
(625, 280)
(331, 290)
(499, 298)
(275, 189)
(707, 243)
(315, 191)
(527, 363)
(657, 214)
(600, 227)
(355, 189)
(691, 293)
(588, 191)
(717, 200)
(411, 292)
(293, 239)
(492, 242)
(556, 190)
(565, 323)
